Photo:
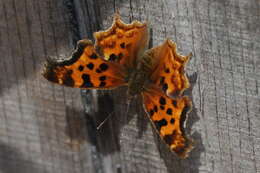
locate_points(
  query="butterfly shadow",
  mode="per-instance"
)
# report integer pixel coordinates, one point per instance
(107, 134)
(192, 163)
(75, 129)
(111, 103)
(105, 125)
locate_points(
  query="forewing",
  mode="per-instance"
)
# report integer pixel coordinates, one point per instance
(168, 116)
(122, 43)
(85, 69)
(168, 71)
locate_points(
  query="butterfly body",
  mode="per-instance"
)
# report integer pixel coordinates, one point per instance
(119, 57)
(140, 76)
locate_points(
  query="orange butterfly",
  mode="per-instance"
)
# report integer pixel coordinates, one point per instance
(120, 57)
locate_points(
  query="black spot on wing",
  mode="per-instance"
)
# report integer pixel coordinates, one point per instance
(160, 124)
(112, 57)
(155, 108)
(162, 101)
(162, 107)
(103, 67)
(122, 45)
(167, 70)
(174, 103)
(102, 84)
(102, 78)
(165, 87)
(80, 68)
(151, 112)
(67, 79)
(90, 66)
(172, 120)
(86, 81)
(169, 111)
(93, 56)
(162, 80)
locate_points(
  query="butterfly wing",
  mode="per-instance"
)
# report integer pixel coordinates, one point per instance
(85, 69)
(122, 43)
(169, 66)
(168, 116)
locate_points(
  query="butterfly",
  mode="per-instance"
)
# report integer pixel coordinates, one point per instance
(120, 57)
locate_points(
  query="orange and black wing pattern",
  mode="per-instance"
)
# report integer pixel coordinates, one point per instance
(168, 116)
(168, 71)
(85, 69)
(122, 43)
(168, 79)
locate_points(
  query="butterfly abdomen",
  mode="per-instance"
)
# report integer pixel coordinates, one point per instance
(136, 82)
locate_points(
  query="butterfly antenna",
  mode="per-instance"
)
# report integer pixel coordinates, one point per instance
(105, 120)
